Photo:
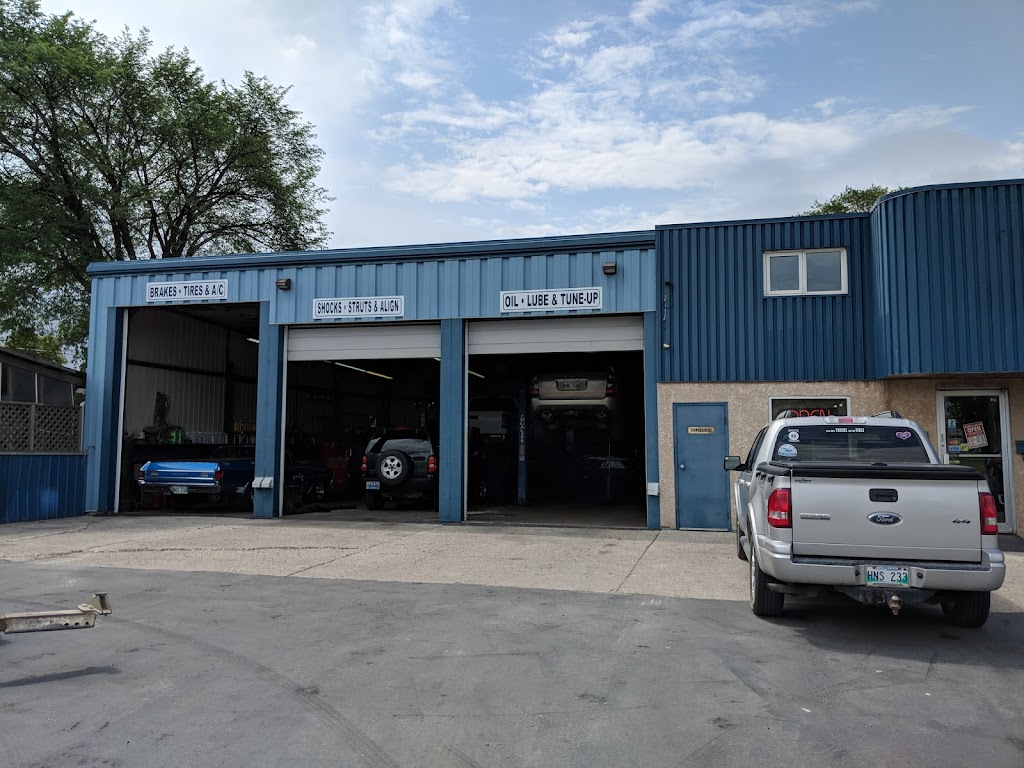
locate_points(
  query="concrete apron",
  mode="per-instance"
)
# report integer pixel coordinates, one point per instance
(684, 564)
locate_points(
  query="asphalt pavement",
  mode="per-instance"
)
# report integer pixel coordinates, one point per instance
(211, 667)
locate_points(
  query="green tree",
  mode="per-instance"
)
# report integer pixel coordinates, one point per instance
(850, 200)
(109, 152)
(42, 345)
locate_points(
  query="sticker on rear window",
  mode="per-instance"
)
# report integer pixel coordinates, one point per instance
(787, 451)
(904, 435)
(794, 436)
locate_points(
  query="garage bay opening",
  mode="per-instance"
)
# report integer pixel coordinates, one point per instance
(189, 414)
(361, 419)
(556, 437)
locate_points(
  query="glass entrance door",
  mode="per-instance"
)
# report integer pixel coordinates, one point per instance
(972, 432)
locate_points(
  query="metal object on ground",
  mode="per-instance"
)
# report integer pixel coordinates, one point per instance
(82, 617)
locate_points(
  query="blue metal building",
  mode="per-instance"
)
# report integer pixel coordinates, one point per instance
(917, 306)
(447, 303)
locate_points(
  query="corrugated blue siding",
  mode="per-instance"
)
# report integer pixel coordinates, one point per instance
(453, 281)
(41, 487)
(720, 326)
(949, 265)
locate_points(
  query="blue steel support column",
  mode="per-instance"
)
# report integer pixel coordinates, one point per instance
(453, 429)
(522, 402)
(269, 426)
(102, 406)
(652, 353)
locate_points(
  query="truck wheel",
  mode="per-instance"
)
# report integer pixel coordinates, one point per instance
(763, 602)
(967, 609)
(373, 500)
(740, 553)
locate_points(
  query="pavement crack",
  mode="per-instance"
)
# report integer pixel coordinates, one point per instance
(649, 545)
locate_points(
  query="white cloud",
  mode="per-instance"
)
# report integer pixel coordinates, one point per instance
(644, 10)
(723, 25)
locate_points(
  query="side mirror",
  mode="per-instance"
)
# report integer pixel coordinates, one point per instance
(733, 463)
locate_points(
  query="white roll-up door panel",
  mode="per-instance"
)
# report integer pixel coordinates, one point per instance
(591, 333)
(359, 341)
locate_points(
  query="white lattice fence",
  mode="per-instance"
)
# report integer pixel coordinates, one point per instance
(37, 428)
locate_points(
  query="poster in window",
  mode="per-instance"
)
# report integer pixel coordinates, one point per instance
(975, 434)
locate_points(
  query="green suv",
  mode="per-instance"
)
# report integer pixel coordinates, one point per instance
(400, 464)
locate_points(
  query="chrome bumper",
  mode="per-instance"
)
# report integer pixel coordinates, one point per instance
(777, 560)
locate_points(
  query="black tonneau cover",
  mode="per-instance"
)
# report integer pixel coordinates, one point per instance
(880, 471)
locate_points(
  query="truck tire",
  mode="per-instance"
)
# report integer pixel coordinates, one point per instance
(763, 602)
(967, 609)
(740, 552)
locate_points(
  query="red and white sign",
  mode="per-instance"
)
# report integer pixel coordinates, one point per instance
(975, 434)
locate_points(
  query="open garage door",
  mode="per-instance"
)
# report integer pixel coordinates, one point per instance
(607, 333)
(555, 421)
(363, 399)
(362, 341)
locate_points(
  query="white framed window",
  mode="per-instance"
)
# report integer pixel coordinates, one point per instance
(805, 405)
(818, 272)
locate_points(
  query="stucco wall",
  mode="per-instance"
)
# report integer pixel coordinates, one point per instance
(748, 412)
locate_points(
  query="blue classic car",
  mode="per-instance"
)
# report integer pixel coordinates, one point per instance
(227, 476)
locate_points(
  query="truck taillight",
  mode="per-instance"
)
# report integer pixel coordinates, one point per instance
(364, 467)
(534, 388)
(989, 514)
(218, 474)
(780, 513)
(142, 473)
(611, 389)
(431, 465)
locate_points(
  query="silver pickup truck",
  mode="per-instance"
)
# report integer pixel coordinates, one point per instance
(861, 505)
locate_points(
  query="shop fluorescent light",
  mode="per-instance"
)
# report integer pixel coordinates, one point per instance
(363, 370)
(254, 341)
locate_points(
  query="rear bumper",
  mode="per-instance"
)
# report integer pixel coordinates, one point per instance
(151, 487)
(548, 411)
(776, 560)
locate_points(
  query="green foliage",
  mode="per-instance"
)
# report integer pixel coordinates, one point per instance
(44, 346)
(109, 152)
(850, 200)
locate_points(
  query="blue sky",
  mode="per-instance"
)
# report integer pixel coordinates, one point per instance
(451, 121)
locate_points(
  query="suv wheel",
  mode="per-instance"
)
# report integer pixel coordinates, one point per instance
(740, 552)
(393, 467)
(763, 602)
(967, 609)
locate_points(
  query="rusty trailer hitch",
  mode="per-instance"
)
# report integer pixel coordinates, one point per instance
(82, 617)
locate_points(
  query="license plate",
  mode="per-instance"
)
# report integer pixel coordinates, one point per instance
(612, 464)
(373, 485)
(883, 576)
(570, 385)
(179, 489)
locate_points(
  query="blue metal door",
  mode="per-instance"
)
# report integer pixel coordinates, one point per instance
(702, 486)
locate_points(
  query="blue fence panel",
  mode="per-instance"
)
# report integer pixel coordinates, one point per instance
(41, 486)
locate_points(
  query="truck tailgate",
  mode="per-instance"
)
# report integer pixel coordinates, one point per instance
(890, 518)
(195, 472)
